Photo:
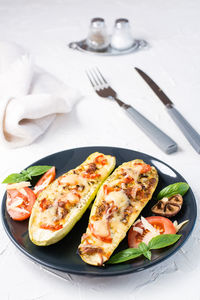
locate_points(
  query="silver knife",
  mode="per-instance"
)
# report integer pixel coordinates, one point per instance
(104, 90)
(189, 132)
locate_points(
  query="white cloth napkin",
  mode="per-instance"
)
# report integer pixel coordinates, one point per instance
(29, 97)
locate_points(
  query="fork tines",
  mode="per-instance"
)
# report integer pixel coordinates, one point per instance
(96, 78)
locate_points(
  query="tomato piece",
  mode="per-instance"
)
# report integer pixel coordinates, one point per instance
(108, 189)
(162, 224)
(91, 176)
(51, 227)
(44, 204)
(101, 160)
(127, 179)
(105, 239)
(44, 181)
(19, 203)
(145, 168)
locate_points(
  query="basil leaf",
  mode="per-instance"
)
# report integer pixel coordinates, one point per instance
(125, 255)
(145, 250)
(157, 242)
(37, 170)
(15, 178)
(163, 240)
(26, 174)
(173, 189)
(143, 247)
(147, 254)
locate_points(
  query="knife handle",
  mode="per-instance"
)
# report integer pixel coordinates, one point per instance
(163, 141)
(189, 132)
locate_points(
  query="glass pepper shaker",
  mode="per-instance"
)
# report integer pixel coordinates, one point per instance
(122, 37)
(97, 38)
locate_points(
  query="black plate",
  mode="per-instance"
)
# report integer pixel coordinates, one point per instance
(63, 255)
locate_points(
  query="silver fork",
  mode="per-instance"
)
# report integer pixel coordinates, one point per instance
(103, 89)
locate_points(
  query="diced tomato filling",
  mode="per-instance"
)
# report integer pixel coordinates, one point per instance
(91, 176)
(127, 179)
(45, 203)
(51, 227)
(146, 168)
(105, 239)
(108, 189)
(101, 160)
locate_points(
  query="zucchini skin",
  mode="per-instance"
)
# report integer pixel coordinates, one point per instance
(43, 237)
(121, 229)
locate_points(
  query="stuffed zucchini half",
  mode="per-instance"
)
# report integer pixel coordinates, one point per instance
(61, 204)
(118, 203)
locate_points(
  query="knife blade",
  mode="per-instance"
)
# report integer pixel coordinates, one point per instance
(189, 132)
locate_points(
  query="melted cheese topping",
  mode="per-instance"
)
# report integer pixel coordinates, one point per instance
(73, 179)
(134, 173)
(101, 227)
(65, 200)
(118, 196)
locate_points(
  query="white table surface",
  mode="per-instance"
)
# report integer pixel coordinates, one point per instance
(172, 28)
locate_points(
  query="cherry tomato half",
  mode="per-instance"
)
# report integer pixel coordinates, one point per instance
(19, 203)
(164, 225)
(45, 180)
(101, 160)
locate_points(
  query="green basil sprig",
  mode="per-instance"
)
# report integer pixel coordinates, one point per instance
(163, 240)
(145, 250)
(26, 174)
(158, 242)
(125, 255)
(173, 189)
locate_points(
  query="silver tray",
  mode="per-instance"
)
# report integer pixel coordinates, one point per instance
(83, 47)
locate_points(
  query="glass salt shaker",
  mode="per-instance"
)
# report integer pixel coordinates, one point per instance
(97, 38)
(122, 37)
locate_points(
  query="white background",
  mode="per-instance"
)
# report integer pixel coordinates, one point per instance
(172, 29)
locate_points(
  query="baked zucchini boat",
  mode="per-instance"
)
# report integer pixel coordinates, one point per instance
(61, 204)
(118, 203)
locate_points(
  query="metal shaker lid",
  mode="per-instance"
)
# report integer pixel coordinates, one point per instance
(119, 23)
(97, 22)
